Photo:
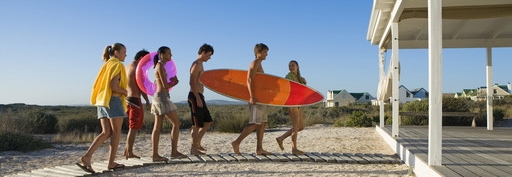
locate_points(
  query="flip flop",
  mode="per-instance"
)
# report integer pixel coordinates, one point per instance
(182, 156)
(160, 159)
(84, 168)
(117, 166)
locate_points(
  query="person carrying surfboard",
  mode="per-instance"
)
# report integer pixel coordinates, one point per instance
(258, 113)
(294, 112)
(201, 118)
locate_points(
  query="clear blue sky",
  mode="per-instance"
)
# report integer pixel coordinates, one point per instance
(51, 50)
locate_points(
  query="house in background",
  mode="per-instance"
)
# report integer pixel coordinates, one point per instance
(467, 93)
(479, 94)
(337, 98)
(405, 95)
(364, 97)
(420, 93)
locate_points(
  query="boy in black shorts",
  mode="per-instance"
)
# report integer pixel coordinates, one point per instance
(201, 118)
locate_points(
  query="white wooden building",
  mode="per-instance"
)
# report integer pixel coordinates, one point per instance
(434, 25)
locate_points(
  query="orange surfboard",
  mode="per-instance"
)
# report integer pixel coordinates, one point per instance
(268, 89)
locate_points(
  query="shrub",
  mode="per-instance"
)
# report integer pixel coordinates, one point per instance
(74, 137)
(81, 124)
(339, 123)
(42, 123)
(230, 124)
(312, 120)
(359, 119)
(388, 120)
(415, 106)
(20, 142)
(231, 119)
(451, 104)
(11, 122)
(498, 114)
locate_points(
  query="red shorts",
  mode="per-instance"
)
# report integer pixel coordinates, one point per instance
(135, 113)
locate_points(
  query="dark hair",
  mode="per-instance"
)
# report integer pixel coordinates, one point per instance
(161, 50)
(299, 77)
(205, 48)
(109, 50)
(260, 47)
(140, 54)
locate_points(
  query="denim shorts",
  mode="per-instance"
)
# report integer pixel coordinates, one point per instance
(116, 109)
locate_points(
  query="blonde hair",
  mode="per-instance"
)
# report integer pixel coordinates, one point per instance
(110, 50)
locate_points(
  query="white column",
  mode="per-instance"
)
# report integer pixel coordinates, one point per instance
(435, 101)
(490, 90)
(395, 71)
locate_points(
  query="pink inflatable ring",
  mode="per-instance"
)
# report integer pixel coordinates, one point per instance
(141, 75)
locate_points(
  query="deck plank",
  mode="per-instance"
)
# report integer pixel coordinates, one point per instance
(250, 158)
(467, 151)
(217, 158)
(206, 158)
(345, 157)
(195, 159)
(68, 172)
(228, 157)
(324, 157)
(315, 157)
(292, 157)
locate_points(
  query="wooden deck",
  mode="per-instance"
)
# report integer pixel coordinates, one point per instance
(467, 151)
(310, 157)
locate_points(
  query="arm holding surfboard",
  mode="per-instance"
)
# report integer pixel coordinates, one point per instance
(258, 114)
(253, 68)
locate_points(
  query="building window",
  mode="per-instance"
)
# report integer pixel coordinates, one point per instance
(336, 104)
(367, 97)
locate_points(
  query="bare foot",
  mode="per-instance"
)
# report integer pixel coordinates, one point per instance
(132, 156)
(236, 148)
(298, 152)
(195, 151)
(280, 143)
(128, 155)
(263, 152)
(178, 155)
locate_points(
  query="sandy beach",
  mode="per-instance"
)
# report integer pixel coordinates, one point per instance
(317, 138)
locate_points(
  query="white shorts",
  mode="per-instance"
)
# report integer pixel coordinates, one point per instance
(258, 114)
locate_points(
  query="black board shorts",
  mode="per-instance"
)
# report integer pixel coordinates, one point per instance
(199, 115)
